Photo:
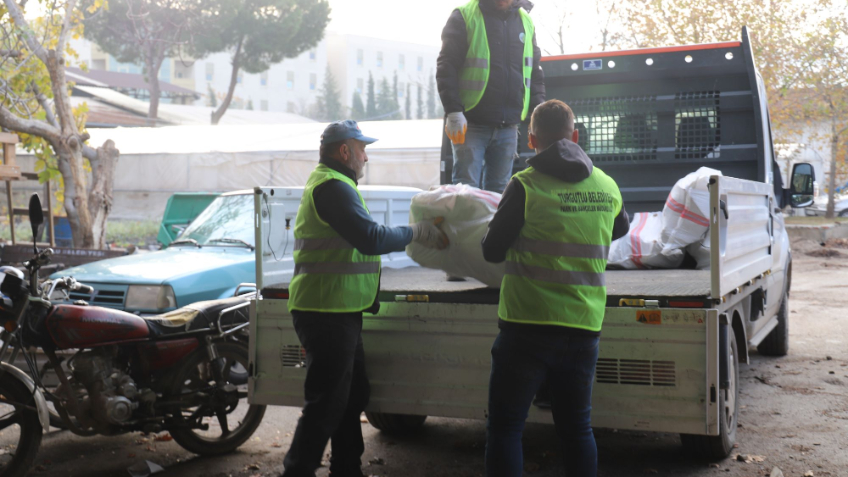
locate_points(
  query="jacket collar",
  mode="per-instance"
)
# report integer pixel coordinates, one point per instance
(339, 167)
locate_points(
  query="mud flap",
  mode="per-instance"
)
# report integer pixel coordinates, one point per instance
(40, 402)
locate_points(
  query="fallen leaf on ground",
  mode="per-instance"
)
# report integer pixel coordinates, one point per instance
(377, 461)
(253, 466)
(809, 473)
(163, 438)
(276, 444)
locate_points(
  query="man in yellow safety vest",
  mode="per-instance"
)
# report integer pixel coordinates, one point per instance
(553, 228)
(337, 277)
(489, 78)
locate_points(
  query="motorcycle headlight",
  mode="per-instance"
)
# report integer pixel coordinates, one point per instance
(150, 298)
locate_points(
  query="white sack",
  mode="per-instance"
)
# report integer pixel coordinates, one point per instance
(467, 212)
(686, 212)
(701, 252)
(642, 247)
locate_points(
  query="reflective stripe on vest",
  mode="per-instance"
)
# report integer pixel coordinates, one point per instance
(330, 275)
(475, 72)
(555, 270)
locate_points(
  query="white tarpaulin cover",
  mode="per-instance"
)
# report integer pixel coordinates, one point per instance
(467, 212)
(642, 247)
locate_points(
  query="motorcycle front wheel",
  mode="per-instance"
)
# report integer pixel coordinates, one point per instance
(229, 422)
(20, 429)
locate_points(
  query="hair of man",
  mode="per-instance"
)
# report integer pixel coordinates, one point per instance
(551, 122)
(332, 150)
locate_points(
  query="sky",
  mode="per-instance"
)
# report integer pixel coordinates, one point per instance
(421, 21)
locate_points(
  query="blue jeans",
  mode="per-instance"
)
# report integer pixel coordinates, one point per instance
(488, 152)
(521, 362)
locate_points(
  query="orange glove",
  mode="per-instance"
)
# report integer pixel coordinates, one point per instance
(455, 127)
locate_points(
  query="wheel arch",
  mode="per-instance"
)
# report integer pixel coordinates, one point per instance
(738, 325)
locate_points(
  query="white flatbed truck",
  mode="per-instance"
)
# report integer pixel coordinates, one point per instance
(672, 340)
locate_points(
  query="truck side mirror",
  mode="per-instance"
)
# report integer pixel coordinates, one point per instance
(802, 185)
(36, 216)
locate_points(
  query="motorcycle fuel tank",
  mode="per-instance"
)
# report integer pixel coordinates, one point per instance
(73, 326)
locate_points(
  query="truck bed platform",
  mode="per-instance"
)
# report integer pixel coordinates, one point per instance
(398, 284)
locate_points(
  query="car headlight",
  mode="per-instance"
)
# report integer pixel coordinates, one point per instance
(150, 297)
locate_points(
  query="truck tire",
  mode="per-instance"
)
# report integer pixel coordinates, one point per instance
(718, 447)
(777, 342)
(395, 423)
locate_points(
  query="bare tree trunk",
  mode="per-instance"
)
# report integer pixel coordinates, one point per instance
(219, 113)
(153, 62)
(834, 170)
(100, 196)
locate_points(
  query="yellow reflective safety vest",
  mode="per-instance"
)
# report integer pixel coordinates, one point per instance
(330, 275)
(555, 269)
(475, 73)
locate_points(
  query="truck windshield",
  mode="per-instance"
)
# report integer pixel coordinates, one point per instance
(227, 217)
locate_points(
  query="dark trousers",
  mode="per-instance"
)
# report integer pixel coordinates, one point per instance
(336, 392)
(521, 362)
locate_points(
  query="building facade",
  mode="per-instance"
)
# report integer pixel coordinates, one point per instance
(294, 84)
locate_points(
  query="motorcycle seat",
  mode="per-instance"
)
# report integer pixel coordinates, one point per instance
(198, 316)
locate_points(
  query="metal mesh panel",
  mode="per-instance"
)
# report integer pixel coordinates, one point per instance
(697, 125)
(635, 372)
(617, 128)
(293, 356)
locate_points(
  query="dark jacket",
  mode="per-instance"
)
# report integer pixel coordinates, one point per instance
(565, 161)
(503, 99)
(338, 204)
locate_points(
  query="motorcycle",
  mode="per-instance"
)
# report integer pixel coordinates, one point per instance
(174, 372)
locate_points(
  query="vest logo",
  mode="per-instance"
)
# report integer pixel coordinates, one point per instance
(521, 37)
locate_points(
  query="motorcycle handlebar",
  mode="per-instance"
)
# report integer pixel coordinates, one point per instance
(85, 288)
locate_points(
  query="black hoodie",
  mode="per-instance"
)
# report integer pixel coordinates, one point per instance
(563, 160)
(503, 99)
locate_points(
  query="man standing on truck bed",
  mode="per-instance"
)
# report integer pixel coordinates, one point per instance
(553, 227)
(337, 277)
(489, 77)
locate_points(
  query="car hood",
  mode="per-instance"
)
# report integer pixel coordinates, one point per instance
(158, 267)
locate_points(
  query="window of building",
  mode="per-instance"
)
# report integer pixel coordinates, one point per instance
(313, 80)
(360, 57)
(263, 78)
(289, 79)
(98, 65)
(379, 59)
(401, 90)
(359, 85)
(313, 54)
(420, 63)
(263, 105)
(401, 62)
(210, 71)
(290, 107)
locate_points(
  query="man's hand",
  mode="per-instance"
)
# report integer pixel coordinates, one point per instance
(428, 234)
(455, 127)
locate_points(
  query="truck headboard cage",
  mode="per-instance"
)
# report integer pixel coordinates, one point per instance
(696, 121)
(617, 128)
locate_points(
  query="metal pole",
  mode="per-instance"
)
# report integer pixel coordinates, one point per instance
(11, 210)
(50, 214)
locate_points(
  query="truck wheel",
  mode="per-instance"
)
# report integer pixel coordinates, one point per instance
(395, 423)
(777, 342)
(719, 447)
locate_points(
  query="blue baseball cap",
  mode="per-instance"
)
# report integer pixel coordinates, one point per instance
(341, 130)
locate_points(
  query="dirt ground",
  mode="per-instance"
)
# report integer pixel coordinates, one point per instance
(794, 417)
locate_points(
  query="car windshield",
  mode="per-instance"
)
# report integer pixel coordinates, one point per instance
(227, 217)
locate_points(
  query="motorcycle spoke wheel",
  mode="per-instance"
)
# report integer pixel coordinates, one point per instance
(20, 428)
(227, 418)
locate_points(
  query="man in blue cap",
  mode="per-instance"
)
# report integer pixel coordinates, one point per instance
(337, 277)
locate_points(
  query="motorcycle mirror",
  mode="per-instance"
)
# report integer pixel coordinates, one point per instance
(36, 218)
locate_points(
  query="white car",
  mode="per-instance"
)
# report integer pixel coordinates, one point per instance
(819, 208)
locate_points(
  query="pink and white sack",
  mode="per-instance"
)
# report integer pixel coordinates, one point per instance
(467, 212)
(687, 210)
(642, 247)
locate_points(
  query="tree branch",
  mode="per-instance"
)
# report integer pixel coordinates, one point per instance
(29, 126)
(27, 32)
(10, 53)
(45, 105)
(66, 25)
(89, 153)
